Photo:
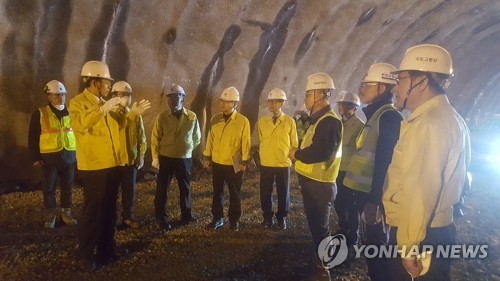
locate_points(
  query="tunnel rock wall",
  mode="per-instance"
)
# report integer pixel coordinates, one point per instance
(206, 46)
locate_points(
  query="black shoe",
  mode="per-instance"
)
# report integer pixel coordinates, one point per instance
(267, 222)
(234, 226)
(215, 224)
(282, 224)
(164, 224)
(188, 220)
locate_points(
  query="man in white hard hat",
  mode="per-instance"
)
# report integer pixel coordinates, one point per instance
(176, 133)
(277, 134)
(51, 144)
(429, 165)
(228, 152)
(346, 211)
(134, 137)
(317, 163)
(99, 155)
(366, 171)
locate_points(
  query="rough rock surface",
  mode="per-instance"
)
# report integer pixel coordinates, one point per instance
(207, 46)
(29, 252)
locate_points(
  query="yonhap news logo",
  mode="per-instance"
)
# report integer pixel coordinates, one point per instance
(333, 251)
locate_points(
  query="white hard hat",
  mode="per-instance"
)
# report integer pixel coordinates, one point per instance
(97, 69)
(381, 72)
(54, 87)
(121, 86)
(276, 94)
(176, 89)
(319, 81)
(427, 58)
(230, 94)
(350, 97)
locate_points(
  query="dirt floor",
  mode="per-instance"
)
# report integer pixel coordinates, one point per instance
(192, 252)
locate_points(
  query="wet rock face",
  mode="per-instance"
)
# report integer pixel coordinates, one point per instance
(206, 46)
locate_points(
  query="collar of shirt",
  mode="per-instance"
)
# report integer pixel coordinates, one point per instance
(371, 108)
(316, 115)
(184, 111)
(93, 98)
(232, 116)
(426, 106)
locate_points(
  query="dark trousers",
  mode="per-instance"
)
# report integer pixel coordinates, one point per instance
(169, 166)
(318, 198)
(128, 177)
(268, 175)
(66, 173)
(225, 174)
(349, 204)
(439, 269)
(97, 224)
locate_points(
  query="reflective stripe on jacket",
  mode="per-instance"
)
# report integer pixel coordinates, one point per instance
(55, 135)
(275, 140)
(323, 171)
(360, 169)
(352, 127)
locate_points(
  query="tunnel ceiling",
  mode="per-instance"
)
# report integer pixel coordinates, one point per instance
(255, 46)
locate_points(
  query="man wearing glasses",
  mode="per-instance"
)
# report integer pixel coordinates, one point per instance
(51, 144)
(428, 168)
(176, 133)
(366, 171)
(318, 162)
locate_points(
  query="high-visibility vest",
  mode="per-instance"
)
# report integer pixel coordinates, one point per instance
(359, 174)
(323, 171)
(55, 135)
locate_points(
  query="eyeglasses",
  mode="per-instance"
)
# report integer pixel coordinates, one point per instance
(401, 78)
(364, 84)
(58, 94)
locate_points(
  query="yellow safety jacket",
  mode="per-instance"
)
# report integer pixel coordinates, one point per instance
(55, 135)
(275, 140)
(226, 138)
(323, 171)
(359, 174)
(98, 141)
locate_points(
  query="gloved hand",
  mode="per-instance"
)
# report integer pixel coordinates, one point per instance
(38, 163)
(111, 104)
(155, 164)
(139, 162)
(141, 107)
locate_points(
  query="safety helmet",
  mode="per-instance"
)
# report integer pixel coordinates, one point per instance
(54, 87)
(230, 94)
(121, 86)
(381, 72)
(319, 81)
(97, 69)
(350, 97)
(427, 58)
(276, 94)
(176, 89)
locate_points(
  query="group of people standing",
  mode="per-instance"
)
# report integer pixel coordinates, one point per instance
(392, 181)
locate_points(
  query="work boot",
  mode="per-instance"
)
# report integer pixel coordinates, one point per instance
(50, 221)
(67, 218)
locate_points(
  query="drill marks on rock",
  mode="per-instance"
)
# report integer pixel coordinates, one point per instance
(271, 41)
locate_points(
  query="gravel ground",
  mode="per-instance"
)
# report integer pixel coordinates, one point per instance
(192, 252)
